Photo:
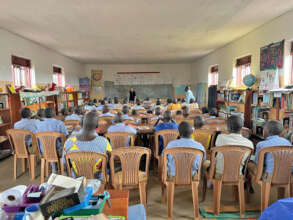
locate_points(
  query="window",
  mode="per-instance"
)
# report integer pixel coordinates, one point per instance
(22, 74)
(58, 77)
(291, 72)
(213, 76)
(241, 70)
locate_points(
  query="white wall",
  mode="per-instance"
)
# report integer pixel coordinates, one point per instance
(41, 58)
(179, 73)
(276, 30)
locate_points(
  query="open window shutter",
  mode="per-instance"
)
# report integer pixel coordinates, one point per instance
(243, 61)
(19, 61)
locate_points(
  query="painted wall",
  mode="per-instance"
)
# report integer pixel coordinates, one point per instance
(276, 30)
(178, 73)
(42, 59)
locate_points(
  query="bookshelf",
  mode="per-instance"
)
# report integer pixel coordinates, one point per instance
(71, 99)
(9, 112)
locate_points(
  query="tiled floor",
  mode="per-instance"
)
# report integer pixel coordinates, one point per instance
(183, 208)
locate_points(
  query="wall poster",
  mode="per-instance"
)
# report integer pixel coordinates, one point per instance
(96, 82)
(272, 56)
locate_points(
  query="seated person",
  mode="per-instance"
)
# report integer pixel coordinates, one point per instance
(234, 125)
(116, 105)
(198, 122)
(185, 131)
(26, 123)
(138, 106)
(157, 114)
(167, 123)
(40, 115)
(125, 111)
(204, 110)
(272, 131)
(76, 115)
(52, 124)
(64, 111)
(158, 104)
(118, 125)
(101, 106)
(70, 110)
(174, 105)
(110, 105)
(78, 129)
(106, 112)
(213, 113)
(89, 106)
(125, 101)
(193, 104)
(185, 111)
(147, 103)
(87, 141)
(178, 114)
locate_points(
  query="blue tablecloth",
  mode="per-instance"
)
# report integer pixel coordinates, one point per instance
(136, 212)
(282, 209)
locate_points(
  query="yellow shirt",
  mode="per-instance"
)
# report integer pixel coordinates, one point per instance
(174, 107)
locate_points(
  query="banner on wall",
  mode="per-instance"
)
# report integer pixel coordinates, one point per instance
(84, 84)
(96, 81)
(272, 56)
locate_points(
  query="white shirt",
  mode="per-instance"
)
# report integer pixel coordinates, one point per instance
(230, 139)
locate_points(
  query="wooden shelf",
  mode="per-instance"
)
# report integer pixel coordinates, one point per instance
(4, 124)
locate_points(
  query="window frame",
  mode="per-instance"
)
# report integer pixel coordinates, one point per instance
(242, 64)
(58, 76)
(22, 73)
(213, 75)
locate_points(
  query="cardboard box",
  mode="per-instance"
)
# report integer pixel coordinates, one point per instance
(65, 192)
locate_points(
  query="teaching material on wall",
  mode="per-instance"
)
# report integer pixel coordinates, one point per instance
(142, 91)
(84, 84)
(140, 78)
(269, 80)
(200, 92)
(272, 56)
(180, 90)
(96, 81)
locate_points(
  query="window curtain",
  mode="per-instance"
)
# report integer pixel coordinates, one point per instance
(21, 76)
(58, 77)
(241, 72)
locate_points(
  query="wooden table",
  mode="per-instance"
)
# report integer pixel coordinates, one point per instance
(119, 201)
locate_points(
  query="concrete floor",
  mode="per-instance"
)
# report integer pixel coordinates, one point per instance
(183, 208)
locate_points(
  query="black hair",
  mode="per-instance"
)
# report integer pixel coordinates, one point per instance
(178, 112)
(185, 130)
(158, 102)
(169, 100)
(167, 116)
(157, 111)
(186, 88)
(125, 109)
(118, 118)
(204, 110)
(198, 122)
(213, 112)
(234, 123)
(25, 112)
(116, 100)
(103, 102)
(41, 113)
(49, 113)
(274, 127)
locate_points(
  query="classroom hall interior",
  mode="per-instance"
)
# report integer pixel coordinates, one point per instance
(175, 109)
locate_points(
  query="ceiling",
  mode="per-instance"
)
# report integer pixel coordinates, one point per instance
(133, 31)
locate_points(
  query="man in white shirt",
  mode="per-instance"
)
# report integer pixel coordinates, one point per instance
(234, 125)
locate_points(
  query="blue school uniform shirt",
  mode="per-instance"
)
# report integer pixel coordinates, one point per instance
(98, 145)
(89, 107)
(127, 117)
(107, 114)
(270, 142)
(120, 127)
(164, 126)
(27, 124)
(189, 95)
(184, 142)
(72, 117)
(52, 124)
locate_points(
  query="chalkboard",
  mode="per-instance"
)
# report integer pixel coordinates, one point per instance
(142, 91)
(180, 90)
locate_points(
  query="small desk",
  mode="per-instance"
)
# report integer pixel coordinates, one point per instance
(120, 202)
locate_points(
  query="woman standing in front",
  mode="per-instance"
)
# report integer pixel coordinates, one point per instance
(189, 94)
